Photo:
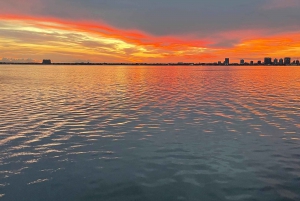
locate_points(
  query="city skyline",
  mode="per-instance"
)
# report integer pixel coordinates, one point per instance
(131, 31)
(286, 61)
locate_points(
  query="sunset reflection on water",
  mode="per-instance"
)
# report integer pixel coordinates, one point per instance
(149, 132)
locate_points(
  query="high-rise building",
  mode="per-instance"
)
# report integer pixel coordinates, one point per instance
(287, 61)
(268, 61)
(242, 62)
(226, 62)
(297, 62)
(275, 61)
(280, 61)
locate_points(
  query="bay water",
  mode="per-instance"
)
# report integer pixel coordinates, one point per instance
(113, 133)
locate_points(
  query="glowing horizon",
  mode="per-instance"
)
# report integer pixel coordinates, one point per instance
(29, 37)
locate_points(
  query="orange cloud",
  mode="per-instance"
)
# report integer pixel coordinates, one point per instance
(131, 36)
(64, 40)
(278, 46)
(145, 45)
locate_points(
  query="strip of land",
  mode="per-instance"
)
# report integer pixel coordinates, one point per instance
(150, 64)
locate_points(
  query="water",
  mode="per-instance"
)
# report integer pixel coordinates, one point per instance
(149, 133)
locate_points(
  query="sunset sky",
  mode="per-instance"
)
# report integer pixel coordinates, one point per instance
(148, 30)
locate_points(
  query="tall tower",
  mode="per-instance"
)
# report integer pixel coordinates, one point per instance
(287, 60)
(268, 61)
(226, 62)
(280, 61)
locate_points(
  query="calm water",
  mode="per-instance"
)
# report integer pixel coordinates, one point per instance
(149, 133)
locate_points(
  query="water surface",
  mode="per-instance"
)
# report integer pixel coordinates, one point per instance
(149, 133)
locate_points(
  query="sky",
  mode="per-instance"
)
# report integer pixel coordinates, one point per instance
(148, 30)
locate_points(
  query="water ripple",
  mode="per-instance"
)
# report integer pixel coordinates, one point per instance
(149, 133)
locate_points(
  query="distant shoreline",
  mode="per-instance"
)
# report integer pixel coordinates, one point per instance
(142, 64)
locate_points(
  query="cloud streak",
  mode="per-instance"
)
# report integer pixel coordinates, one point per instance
(96, 39)
(107, 31)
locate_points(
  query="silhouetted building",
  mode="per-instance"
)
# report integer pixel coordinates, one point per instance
(287, 61)
(280, 61)
(251, 62)
(226, 62)
(297, 62)
(219, 63)
(259, 62)
(268, 61)
(275, 61)
(242, 62)
(46, 61)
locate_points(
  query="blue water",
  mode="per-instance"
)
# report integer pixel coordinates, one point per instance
(149, 133)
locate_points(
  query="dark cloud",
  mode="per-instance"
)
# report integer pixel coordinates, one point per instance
(198, 17)
(225, 43)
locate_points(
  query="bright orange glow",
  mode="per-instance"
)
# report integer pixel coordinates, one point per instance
(275, 46)
(64, 41)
